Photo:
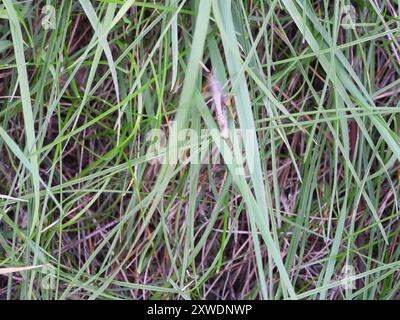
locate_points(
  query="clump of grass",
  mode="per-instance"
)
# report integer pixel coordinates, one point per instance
(85, 213)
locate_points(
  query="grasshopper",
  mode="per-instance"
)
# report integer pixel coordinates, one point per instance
(219, 100)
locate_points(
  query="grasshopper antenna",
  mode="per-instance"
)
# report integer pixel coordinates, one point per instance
(205, 68)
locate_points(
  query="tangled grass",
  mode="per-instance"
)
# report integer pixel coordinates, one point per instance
(85, 86)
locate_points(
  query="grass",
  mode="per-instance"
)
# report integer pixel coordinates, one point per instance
(94, 98)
